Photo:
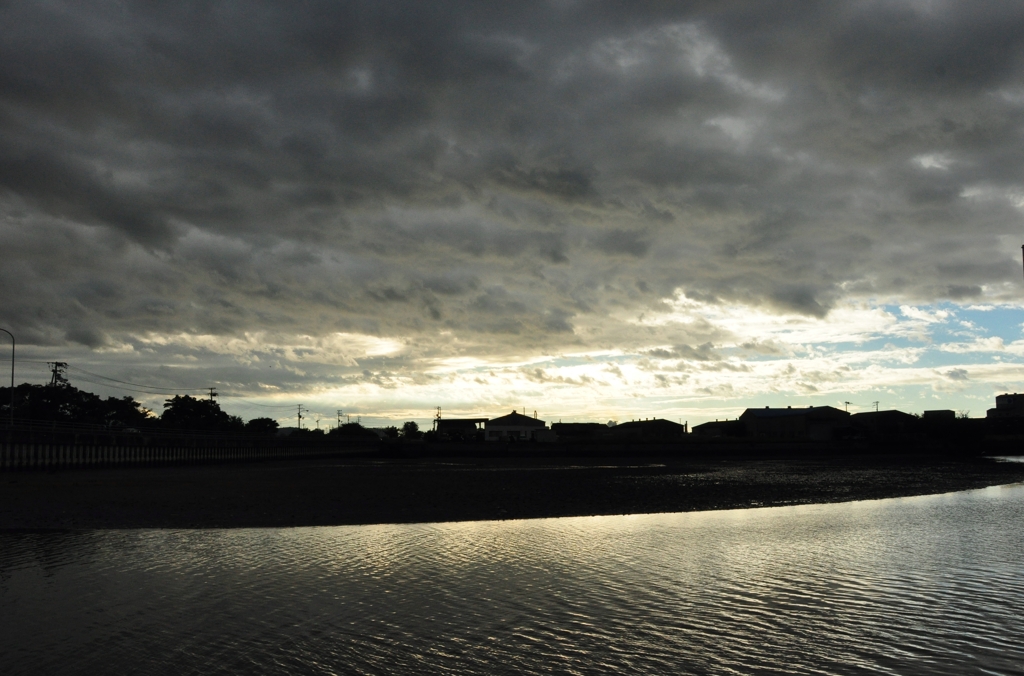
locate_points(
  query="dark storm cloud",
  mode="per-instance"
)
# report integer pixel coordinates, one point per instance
(496, 170)
(703, 352)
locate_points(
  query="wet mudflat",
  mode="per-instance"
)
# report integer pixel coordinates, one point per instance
(348, 491)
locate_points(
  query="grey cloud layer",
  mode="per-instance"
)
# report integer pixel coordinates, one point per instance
(507, 172)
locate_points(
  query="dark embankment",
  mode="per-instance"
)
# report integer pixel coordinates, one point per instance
(365, 491)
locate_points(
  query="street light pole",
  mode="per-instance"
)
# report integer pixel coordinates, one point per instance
(12, 375)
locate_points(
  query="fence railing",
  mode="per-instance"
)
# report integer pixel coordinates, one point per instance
(15, 457)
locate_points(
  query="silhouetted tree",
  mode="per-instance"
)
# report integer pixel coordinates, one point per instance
(126, 412)
(68, 404)
(411, 430)
(189, 413)
(264, 427)
(353, 432)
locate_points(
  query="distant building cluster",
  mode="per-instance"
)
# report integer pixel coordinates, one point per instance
(1007, 406)
(819, 423)
(822, 423)
(813, 423)
(517, 427)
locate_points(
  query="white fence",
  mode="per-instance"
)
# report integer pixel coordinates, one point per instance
(53, 456)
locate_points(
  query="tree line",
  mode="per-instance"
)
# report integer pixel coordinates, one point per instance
(68, 405)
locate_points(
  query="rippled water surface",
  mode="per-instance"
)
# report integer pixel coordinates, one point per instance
(916, 585)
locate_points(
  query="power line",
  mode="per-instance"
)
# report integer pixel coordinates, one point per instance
(155, 389)
(125, 382)
(122, 388)
(160, 389)
(233, 399)
(253, 403)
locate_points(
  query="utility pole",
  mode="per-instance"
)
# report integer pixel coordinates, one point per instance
(58, 369)
(213, 393)
(847, 406)
(340, 413)
(12, 375)
(299, 416)
(318, 423)
(437, 418)
(876, 406)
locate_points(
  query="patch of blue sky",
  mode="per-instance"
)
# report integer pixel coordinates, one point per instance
(746, 355)
(875, 345)
(940, 358)
(946, 323)
(1001, 321)
(923, 326)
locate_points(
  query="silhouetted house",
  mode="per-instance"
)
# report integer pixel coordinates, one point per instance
(655, 429)
(1008, 415)
(818, 423)
(720, 428)
(883, 424)
(578, 431)
(945, 428)
(459, 429)
(1007, 406)
(516, 427)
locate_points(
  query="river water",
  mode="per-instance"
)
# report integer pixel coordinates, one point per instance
(915, 585)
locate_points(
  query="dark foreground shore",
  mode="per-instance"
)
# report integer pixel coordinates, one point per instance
(364, 491)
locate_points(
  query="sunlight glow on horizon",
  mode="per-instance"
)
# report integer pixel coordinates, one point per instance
(910, 357)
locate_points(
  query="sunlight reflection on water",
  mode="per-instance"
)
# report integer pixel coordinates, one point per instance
(928, 584)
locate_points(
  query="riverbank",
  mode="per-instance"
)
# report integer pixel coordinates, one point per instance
(348, 491)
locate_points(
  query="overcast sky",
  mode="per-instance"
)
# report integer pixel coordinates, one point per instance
(592, 210)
